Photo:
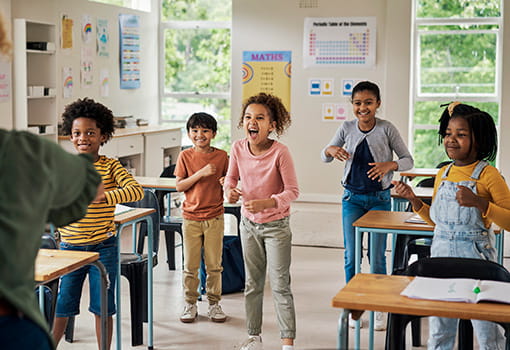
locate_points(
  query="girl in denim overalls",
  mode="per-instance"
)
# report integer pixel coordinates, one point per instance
(469, 194)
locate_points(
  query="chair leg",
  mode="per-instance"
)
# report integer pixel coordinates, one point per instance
(69, 332)
(465, 335)
(170, 249)
(416, 331)
(396, 332)
(137, 284)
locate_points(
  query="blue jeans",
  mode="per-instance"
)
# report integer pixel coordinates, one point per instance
(71, 284)
(22, 334)
(354, 206)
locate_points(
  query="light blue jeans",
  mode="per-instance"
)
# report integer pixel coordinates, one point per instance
(354, 206)
(268, 244)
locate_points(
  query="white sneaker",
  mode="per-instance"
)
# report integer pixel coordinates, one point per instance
(216, 314)
(189, 314)
(380, 321)
(352, 323)
(254, 342)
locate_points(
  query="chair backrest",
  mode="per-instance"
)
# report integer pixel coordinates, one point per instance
(449, 267)
(149, 200)
(48, 242)
(167, 172)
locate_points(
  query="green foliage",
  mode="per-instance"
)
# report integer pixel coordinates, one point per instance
(196, 10)
(458, 8)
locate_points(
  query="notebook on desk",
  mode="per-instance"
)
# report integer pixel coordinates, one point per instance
(121, 209)
(416, 219)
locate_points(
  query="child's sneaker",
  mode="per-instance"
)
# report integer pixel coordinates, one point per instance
(380, 321)
(216, 314)
(189, 314)
(254, 342)
(352, 323)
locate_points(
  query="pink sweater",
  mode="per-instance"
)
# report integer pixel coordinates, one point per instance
(270, 175)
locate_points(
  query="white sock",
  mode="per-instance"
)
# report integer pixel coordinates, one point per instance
(287, 347)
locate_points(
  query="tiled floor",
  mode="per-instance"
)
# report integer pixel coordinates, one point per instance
(317, 274)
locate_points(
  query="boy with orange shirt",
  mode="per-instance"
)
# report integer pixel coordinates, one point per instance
(198, 172)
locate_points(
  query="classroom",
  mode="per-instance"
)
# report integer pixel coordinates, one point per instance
(152, 101)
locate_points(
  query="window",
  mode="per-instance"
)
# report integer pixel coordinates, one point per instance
(456, 57)
(142, 5)
(196, 63)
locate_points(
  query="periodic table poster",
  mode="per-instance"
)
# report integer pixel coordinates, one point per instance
(269, 72)
(339, 42)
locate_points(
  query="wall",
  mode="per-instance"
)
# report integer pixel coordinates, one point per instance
(278, 25)
(141, 102)
(6, 121)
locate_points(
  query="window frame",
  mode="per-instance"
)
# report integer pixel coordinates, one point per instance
(417, 96)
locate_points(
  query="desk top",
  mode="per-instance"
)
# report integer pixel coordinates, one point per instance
(132, 215)
(53, 263)
(420, 192)
(382, 293)
(427, 172)
(164, 183)
(390, 220)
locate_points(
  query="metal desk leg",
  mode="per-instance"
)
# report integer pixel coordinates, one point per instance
(343, 330)
(357, 262)
(104, 303)
(150, 249)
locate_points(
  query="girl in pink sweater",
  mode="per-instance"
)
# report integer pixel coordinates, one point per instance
(269, 185)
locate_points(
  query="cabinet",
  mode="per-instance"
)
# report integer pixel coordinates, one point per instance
(35, 78)
(163, 149)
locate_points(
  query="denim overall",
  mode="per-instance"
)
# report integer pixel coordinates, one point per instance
(460, 232)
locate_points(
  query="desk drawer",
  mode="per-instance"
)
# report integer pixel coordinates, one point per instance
(165, 139)
(128, 146)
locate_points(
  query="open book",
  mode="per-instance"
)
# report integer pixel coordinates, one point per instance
(458, 289)
(120, 209)
(416, 219)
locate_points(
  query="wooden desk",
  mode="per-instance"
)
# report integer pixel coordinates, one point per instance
(167, 184)
(399, 203)
(50, 264)
(122, 220)
(415, 172)
(382, 293)
(393, 222)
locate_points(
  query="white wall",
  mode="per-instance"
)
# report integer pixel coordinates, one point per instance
(278, 25)
(142, 102)
(6, 121)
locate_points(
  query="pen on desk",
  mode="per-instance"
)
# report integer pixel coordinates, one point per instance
(477, 289)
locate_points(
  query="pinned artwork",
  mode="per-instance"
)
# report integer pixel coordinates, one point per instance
(86, 29)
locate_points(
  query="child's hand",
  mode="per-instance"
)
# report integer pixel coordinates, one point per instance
(378, 170)
(100, 196)
(208, 170)
(467, 198)
(257, 205)
(233, 195)
(337, 153)
(222, 180)
(403, 190)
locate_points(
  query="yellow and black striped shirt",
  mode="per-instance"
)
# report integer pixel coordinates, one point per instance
(98, 224)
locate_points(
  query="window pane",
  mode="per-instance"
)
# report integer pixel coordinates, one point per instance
(429, 112)
(197, 60)
(175, 113)
(142, 5)
(458, 8)
(458, 63)
(185, 10)
(427, 152)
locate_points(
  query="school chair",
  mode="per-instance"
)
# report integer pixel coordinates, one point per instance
(447, 267)
(50, 289)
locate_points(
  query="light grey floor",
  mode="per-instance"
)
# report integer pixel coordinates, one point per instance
(317, 274)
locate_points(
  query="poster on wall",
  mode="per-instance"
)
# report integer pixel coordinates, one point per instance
(67, 82)
(104, 77)
(86, 66)
(66, 33)
(5, 81)
(269, 72)
(86, 29)
(334, 112)
(102, 37)
(339, 42)
(129, 28)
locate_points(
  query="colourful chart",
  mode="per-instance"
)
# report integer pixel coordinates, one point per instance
(339, 41)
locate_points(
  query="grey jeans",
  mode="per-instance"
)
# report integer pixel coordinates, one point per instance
(268, 244)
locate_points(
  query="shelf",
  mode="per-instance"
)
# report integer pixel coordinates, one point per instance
(40, 97)
(42, 52)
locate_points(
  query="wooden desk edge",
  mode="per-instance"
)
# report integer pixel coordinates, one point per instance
(80, 259)
(134, 214)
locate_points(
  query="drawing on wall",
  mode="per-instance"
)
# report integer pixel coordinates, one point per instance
(66, 33)
(86, 67)
(104, 77)
(129, 27)
(269, 72)
(339, 41)
(67, 82)
(348, 85)
(86, 29)
(102, 37)
(5, 80)
(335, 112)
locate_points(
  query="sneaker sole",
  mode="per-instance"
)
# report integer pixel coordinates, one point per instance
(188, 320)
(218, 320)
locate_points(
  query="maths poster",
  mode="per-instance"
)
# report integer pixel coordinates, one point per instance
(339, 42)
(269, 72)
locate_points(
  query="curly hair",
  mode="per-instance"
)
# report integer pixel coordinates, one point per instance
(5, 43)
(481, 125)
(277, 111)
(88, 108)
